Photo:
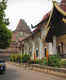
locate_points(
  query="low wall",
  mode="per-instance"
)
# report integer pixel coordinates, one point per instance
(51, 70)
(61, 72)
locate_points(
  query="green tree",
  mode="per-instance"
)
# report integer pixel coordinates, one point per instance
(5, 33)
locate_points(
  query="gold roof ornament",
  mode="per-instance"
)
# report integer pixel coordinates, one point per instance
(60, 10)
(64, 20)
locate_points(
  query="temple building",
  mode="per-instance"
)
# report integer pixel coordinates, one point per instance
(56, 34)
(35, 44)
(22, 31)
(48, 35)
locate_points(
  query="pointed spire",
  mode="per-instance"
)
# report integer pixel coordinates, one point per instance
(22, 26)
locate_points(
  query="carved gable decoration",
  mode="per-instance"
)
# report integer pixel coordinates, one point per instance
(22, 29)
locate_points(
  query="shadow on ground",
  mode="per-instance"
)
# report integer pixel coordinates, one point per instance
(10, 74)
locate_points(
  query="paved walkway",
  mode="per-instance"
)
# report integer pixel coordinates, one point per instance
(18, 73)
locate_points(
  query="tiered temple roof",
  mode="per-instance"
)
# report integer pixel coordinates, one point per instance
(22, 26)
(21, 29)
(57, 23)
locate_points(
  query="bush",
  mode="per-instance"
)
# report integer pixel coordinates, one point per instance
(25, 58)
(45, 61)
(37, 61)
(12, 57)
(31, 62)
(16, 58)
(54, 61)
(19, 58)
(63, 63)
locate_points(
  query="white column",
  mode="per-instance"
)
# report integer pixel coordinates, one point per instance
(41, 50)
(33, 43)
(54, 45)
(50, 49)
(24, 49)
(27, 48)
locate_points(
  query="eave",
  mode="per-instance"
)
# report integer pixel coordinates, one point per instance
(61, 15)
(60, 10)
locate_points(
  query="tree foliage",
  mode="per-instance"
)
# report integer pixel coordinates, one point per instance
(5, 33)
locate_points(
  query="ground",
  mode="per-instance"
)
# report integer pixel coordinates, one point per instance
(18, 73)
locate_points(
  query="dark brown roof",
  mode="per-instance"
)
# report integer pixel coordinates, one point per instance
(45, 17)
(62, 6)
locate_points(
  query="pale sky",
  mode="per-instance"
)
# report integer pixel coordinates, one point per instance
(31, 11)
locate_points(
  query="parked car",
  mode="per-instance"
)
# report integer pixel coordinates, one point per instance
(2, 66)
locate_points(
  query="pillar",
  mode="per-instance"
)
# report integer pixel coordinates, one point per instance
(24, 49)
(54, 45)
(50, 48)
(33, 49)
(41, 50)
